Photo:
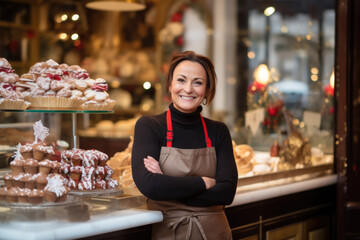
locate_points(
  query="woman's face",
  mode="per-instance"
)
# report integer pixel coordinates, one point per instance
(188, 86)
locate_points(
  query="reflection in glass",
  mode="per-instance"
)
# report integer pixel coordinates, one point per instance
(286, 51)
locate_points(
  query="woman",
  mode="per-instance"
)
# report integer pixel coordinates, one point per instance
(184, 163)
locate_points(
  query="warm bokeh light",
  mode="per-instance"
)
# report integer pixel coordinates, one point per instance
(262, 74)
(75, 36)
(314, 70)
(63, 36)
(251, 55)
(269, 11)
(314, 78)
(64, 17)
(284, 29)
(115, 84)
(147, 85)
(75, 17)
(332, 79)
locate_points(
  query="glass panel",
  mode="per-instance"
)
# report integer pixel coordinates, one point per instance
(285, 84)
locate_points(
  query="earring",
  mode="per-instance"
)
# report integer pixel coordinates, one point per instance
(205, 101)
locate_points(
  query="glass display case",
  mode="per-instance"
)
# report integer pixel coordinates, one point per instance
(283, 90)
(276, 95)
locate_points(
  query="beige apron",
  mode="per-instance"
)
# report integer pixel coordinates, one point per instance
(182, 221)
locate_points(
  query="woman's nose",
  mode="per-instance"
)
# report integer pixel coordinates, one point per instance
(188, 87)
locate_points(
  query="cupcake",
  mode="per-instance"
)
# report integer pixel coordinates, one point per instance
(64, 169)
(26, 151)
(35, 196)
(41, 181)
(46, 166)
(18, 180)
(12, 193)
(50, 153)
(108, 172)
(76, 158)
(30, 181)
(100, 184)
(100, 172)
(87, 173)
(55, 190)
(31, 166)
(73, 184)
(75, 173)
(3, 192)
(86, 185)
(17, 166)
(111, 183)
(23, 195)
(103, 158)
(8, 180)
(55, 167)
(66, 156)
(90, 158)
(39, 151)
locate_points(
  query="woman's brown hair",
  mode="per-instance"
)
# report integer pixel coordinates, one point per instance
(193, 57)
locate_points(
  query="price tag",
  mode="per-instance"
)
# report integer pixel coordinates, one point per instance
(253, 119)
(312, 120)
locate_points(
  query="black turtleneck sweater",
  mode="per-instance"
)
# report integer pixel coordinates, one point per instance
(150, 136)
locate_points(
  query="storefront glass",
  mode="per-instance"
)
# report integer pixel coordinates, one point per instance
(285, 83)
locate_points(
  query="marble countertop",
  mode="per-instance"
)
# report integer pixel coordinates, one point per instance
(267, 190)
(97, 224)
(67, 224)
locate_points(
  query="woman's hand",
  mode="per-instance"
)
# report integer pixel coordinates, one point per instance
(152, 165)
(209, 182)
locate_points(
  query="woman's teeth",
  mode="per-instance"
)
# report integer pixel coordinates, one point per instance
(187, 97)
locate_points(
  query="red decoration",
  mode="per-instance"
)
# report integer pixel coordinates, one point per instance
(30, 34)
(177, 17)
(272, 110)
(100, 87)
(180, 41)
(329, 90)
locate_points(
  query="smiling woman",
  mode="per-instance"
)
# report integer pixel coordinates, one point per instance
(190, 171)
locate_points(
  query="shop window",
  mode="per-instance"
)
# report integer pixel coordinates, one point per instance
(285, 85)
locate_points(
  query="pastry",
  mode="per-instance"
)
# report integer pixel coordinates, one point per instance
(41, 181)
(31, 166)
(11, 194)
(17, 166)
(35, 196)
(46, 166)
(56, 189)
(39, 151)
(23, 194)
(26, 151)
(8, 180)
(76, 172)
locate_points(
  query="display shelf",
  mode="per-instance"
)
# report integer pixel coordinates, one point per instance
(322, 169)
(73, 117)
(96, 193)
(70, 201)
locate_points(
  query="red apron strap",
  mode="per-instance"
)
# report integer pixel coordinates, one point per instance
(170, 133)
(207, 139)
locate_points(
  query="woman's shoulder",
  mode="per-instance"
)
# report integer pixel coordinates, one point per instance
(215, 123)
(151, 120)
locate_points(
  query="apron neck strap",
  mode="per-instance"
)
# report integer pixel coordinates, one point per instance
(170, 133)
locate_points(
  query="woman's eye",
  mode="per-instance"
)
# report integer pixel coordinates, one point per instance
(198, 83)
(180, 80)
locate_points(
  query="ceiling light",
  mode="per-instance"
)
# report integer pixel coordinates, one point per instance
(116, 5)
